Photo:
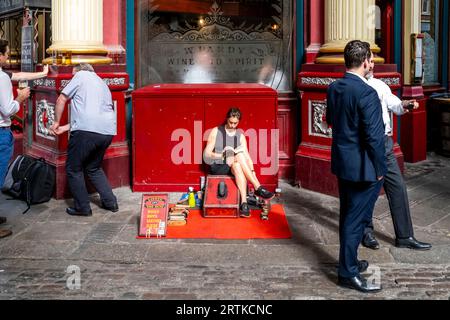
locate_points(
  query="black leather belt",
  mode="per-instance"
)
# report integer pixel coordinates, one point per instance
(4, 128)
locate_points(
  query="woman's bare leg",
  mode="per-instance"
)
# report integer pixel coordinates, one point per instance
(241, 182)
(247, 171)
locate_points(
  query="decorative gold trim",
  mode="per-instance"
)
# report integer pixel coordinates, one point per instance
(340, 49)
(81, 59)
(97, 51)
(339, 59)
(12, 62)
(14, 52)
(330, 60)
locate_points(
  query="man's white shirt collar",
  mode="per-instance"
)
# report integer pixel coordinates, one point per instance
(361, 77)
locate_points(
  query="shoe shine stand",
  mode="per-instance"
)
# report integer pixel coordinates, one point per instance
(221, 198)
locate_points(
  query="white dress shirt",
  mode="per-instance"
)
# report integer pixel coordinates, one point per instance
(8, 106)
(389, 102)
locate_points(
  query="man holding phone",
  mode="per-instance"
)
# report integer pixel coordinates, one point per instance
(8, 108)
(393, 185)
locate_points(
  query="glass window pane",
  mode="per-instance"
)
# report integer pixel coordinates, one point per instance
(430, 29)
(204, 41)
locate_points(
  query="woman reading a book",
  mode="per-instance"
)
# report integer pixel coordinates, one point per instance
(227, 154)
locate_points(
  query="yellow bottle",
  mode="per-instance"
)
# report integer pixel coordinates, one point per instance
(191, 197)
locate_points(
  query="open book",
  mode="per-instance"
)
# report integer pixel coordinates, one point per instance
(230, 151)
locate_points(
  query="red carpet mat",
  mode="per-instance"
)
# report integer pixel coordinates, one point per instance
(198, 227)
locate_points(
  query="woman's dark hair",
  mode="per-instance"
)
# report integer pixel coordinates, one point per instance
(3, 45)
(355, 53)
(234, 113)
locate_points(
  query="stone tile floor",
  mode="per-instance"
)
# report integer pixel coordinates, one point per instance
(48, 248)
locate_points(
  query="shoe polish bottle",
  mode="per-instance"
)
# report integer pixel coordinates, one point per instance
(191, 198)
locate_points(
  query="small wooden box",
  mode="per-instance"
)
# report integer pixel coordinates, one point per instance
(215, 207)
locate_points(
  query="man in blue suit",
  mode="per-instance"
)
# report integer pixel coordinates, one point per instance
(357, 158)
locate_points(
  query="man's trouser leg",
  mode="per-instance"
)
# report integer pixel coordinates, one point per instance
(94, 169)
(78, 151)
(357, 203)
(6, 152)
(370, 228)
(397, 195)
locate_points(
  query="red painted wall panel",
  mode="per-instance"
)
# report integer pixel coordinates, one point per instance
(168, 117)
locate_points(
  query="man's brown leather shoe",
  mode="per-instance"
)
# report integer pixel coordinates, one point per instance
(4, 233)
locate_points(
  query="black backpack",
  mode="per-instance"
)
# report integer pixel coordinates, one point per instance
(31, 180)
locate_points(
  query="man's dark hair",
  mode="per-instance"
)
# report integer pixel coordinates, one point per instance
(234, 113)
(3, 44)
(355, 53)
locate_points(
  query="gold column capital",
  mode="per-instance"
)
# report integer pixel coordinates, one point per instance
(347, 20)
(77, 32)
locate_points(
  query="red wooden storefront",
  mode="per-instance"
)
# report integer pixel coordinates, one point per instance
(170, 129)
